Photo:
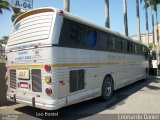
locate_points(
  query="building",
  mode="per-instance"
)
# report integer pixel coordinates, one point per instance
(144, 36)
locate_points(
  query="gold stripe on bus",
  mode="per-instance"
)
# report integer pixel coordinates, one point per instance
(32, 13)
(26, 66)
(71, 65)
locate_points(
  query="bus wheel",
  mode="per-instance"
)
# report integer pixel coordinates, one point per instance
(107, 88)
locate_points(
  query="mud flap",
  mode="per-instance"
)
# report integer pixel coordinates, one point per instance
(33, 102)
(14, 98)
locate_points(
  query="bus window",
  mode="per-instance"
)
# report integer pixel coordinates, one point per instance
(73, 32)
(111, 42)
(68, 34)
(124, 45)
(118, 44)
(133, 48)
(103, 41)
(129, 46)
(86, 38)
(91, 37)
(136, 48)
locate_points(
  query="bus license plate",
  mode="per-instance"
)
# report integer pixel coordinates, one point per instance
(24, 85)
(23, 74)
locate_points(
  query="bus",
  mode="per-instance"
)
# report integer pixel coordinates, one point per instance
(55, 59)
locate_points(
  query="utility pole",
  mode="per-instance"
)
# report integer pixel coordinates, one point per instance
(67, 5)
(125, 17)
(107, 19)
(147, 28)
(138, 20)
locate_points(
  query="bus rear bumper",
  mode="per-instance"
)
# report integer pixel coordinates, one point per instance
(56, 104)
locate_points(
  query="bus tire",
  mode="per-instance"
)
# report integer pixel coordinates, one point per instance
(107, 88)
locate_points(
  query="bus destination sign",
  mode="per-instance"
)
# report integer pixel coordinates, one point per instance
(22, 4)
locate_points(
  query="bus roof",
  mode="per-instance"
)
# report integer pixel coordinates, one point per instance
(74, 18)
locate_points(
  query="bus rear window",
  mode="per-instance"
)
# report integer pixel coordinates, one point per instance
(31, 26)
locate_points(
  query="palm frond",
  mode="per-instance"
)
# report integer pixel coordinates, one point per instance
(4, 5)
(14, 16)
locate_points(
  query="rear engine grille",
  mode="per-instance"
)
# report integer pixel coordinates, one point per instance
(36, 80)
(12, 79)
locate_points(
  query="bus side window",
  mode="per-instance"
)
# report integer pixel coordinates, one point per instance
(68, 34)
(133, 48)
(74, 27)
(111, 43)
(119, 44)
(87, 37)
(128, 46)
(103, 41)
(91, 38)
(136, 48)
(124, 46)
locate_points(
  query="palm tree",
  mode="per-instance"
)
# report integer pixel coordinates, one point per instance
(147, 30)
(153, 4)
(17, 12)
(107, 18)
(67, 5)
(125, 18)
(4, 39)
(4, 5)
(138, 19)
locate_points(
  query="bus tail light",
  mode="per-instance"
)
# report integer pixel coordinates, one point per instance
(5, 68)
(36, 46)
(47, 79)
(61, 11)
(6, 77)
(48, 91)
(47, 68)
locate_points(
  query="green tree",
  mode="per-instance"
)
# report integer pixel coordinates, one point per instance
(4, 39)
(152, 2)
(16, 13)
(4, 5)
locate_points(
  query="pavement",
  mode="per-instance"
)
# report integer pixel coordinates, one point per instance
(138, 100)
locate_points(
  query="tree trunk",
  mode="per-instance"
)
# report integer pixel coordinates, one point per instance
(157, 30)
(125, 18)
(107, 19)
(147, 28)
(67, 5)
(153, 26)
(138, 20)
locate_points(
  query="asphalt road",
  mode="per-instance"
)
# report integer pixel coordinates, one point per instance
(142, 97)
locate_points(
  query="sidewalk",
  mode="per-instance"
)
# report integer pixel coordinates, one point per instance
(144, 101)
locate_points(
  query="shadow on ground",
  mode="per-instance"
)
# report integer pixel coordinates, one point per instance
(90, 107)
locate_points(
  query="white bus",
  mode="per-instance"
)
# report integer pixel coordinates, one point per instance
(55, 59)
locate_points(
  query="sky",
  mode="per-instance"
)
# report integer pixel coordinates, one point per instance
(93, 10)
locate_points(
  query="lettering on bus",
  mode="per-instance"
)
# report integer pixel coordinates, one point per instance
(23, 55)
(115, 57)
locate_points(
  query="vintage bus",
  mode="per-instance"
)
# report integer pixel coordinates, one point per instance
(55, 59)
